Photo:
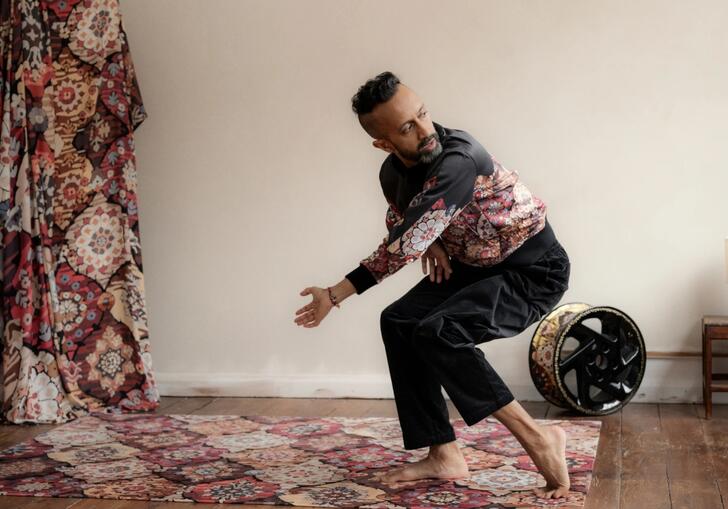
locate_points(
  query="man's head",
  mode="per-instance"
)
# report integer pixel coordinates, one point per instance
(392, 114)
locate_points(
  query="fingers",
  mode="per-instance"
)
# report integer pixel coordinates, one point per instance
(437, 266)
(313, 321)
(444, 262)
(306, 318)
(306, 315)
(307, 307)
(439, 269)
(310, 305)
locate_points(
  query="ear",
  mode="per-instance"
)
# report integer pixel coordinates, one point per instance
(383, 145)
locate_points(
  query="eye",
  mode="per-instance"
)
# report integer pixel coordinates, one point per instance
(424, 113)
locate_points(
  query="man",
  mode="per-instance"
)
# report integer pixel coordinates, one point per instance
(495, 268)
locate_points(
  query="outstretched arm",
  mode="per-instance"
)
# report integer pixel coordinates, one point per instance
(443, 196)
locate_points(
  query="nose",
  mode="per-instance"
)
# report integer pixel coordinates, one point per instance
(422, 132)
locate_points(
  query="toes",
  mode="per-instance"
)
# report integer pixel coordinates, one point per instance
(561, 492)
(541, 492)
(545, 492)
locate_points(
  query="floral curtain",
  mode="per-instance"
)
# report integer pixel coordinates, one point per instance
(74, 325)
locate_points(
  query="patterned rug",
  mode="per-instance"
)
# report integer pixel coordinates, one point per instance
(283, 460)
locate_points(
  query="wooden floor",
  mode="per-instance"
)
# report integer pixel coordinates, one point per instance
(650, 456)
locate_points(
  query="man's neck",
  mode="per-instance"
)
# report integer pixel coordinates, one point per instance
(405, 162)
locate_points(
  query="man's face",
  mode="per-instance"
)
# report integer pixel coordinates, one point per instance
(406, 129)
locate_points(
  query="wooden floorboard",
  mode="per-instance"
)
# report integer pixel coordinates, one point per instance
(649, 455)
(644, 446)
(690, 472)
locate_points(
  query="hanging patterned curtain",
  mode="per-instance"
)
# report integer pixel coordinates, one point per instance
(74, 324)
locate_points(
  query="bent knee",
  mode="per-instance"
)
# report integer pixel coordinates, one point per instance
(396, 322)
(388, 318)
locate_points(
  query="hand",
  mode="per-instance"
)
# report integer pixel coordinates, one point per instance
(439, 262)
(312, 313)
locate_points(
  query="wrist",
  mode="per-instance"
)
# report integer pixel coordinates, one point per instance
(333, 298)
(342, 290)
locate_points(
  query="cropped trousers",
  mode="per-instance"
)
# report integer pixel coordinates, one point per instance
(431, 334)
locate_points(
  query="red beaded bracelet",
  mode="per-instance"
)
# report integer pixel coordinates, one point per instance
(332, 298)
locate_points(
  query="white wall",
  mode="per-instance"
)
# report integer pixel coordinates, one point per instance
(257, 181)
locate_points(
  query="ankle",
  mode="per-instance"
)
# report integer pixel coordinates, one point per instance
(539, 437)
(445, 451)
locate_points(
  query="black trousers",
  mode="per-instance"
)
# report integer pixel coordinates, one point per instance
(431, 332)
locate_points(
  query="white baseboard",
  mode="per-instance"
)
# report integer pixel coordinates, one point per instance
(272, 386)
(676, 380)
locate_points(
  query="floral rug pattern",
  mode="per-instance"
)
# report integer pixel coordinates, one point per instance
(281, 460)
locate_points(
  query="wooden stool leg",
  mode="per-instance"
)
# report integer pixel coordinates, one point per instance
(705, 380)
(708, 370)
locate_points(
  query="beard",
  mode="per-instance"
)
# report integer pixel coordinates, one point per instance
(423, 155)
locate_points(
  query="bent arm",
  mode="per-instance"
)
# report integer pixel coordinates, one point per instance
(426, 217)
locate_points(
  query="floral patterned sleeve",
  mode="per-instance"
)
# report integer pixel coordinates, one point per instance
(392, 217)
(429, 212)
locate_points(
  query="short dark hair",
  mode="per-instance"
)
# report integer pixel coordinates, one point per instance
(375, 91)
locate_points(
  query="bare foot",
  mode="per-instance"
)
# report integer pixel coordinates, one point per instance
(444, 461)
(549, 456)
